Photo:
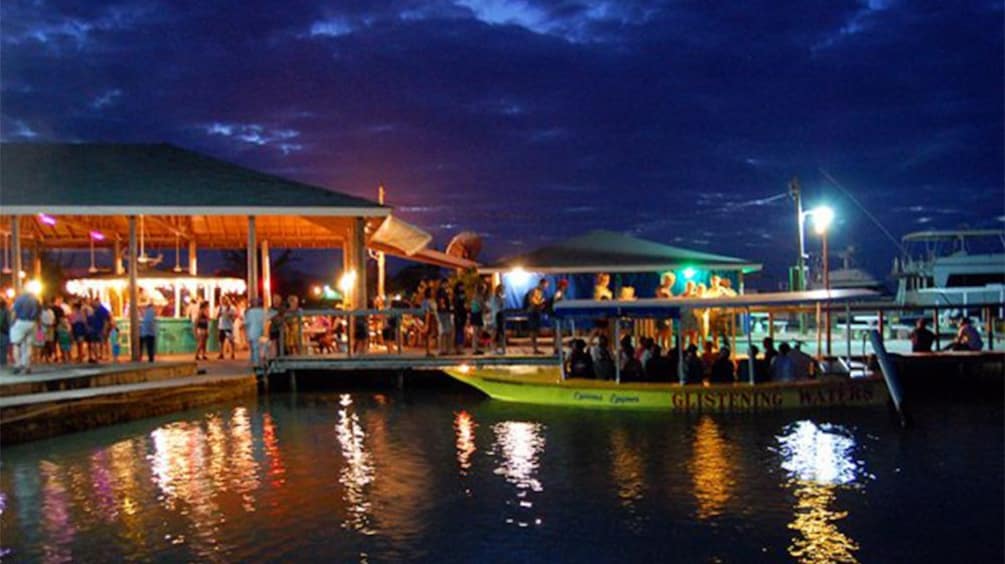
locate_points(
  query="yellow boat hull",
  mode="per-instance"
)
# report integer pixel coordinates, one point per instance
(544, 386)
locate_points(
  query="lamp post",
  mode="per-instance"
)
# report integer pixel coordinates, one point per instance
(823, 217)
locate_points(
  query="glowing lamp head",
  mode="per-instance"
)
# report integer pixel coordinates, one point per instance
(823, 216)
(34, 286)
(518, 277)
(97, 236)
(689, 273)
(316, 290)
(10, 293)
(347, 281)
(464, 369)
(46, 219)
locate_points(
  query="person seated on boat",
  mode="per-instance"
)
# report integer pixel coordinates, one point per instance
(603, 362)
(803, 365)
(654, 365)
(782, 369)
(579, 365)
(690, 290)
(694, 370)
(769, 350)
(601, 291)
(760, 368)
(626, 293)
(922, 338)
(670, 364)
(722, 368)
(645, 352)
(724, 287)
(967, 337)
(631, 368)
(708, 356)
(665, 289)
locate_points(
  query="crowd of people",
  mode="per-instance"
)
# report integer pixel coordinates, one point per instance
(650, 363)
(55, 330)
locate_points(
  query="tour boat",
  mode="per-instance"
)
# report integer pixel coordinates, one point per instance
(548, 385)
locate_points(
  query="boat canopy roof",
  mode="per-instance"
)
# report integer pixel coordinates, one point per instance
(608, 251)
(662, 307)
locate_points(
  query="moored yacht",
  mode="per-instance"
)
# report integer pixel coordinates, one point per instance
(951, 268)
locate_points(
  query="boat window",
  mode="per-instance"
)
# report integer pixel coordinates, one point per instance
(977, 279)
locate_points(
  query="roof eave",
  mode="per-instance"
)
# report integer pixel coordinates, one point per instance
(318, 211)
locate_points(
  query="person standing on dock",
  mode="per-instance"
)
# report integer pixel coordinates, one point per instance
(478, 315)
(497, 317)
(26, 310)
(148, 330)
(535, 303)
(225, 316)
(254, 329)
(444, 316)
(5, 323)
(922, 338)
(460, 304)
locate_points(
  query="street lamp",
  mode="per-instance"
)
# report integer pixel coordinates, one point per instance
(823, 217)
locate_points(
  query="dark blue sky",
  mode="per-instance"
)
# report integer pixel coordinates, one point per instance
(531, 121)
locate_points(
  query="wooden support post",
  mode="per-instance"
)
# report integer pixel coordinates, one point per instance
(252, 261)
(751, 359)
(989, 327)
(881, 323)
(359, 262)
(193, 258)
(134, 294)
(266, 276)
(381, 268)
(771, 325)
(847, 332)
(680, 349)
(819, 334)
(938, 332)
(617, 351)
(15, 241)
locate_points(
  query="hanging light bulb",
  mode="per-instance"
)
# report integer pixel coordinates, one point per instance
(95, 236)
(177, 253)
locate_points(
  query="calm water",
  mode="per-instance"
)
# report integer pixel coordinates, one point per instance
(453, 477)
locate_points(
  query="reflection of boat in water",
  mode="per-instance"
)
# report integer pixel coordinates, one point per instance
(547, 385)
(951, 268)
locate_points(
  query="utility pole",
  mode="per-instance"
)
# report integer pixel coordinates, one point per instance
(797, 281)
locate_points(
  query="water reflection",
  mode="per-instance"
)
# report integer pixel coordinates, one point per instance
(464, 427)
(518, 447)
(627, 469)
(818, 460)
(57, 525)
(357, 473)
(711, 468)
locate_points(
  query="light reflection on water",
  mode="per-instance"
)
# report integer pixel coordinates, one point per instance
(358, 472)
(819, 459)
(464, 426)
(518, 448)
(712, 469)
(359, 477)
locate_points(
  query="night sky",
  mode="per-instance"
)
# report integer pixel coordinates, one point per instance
(533, 121)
